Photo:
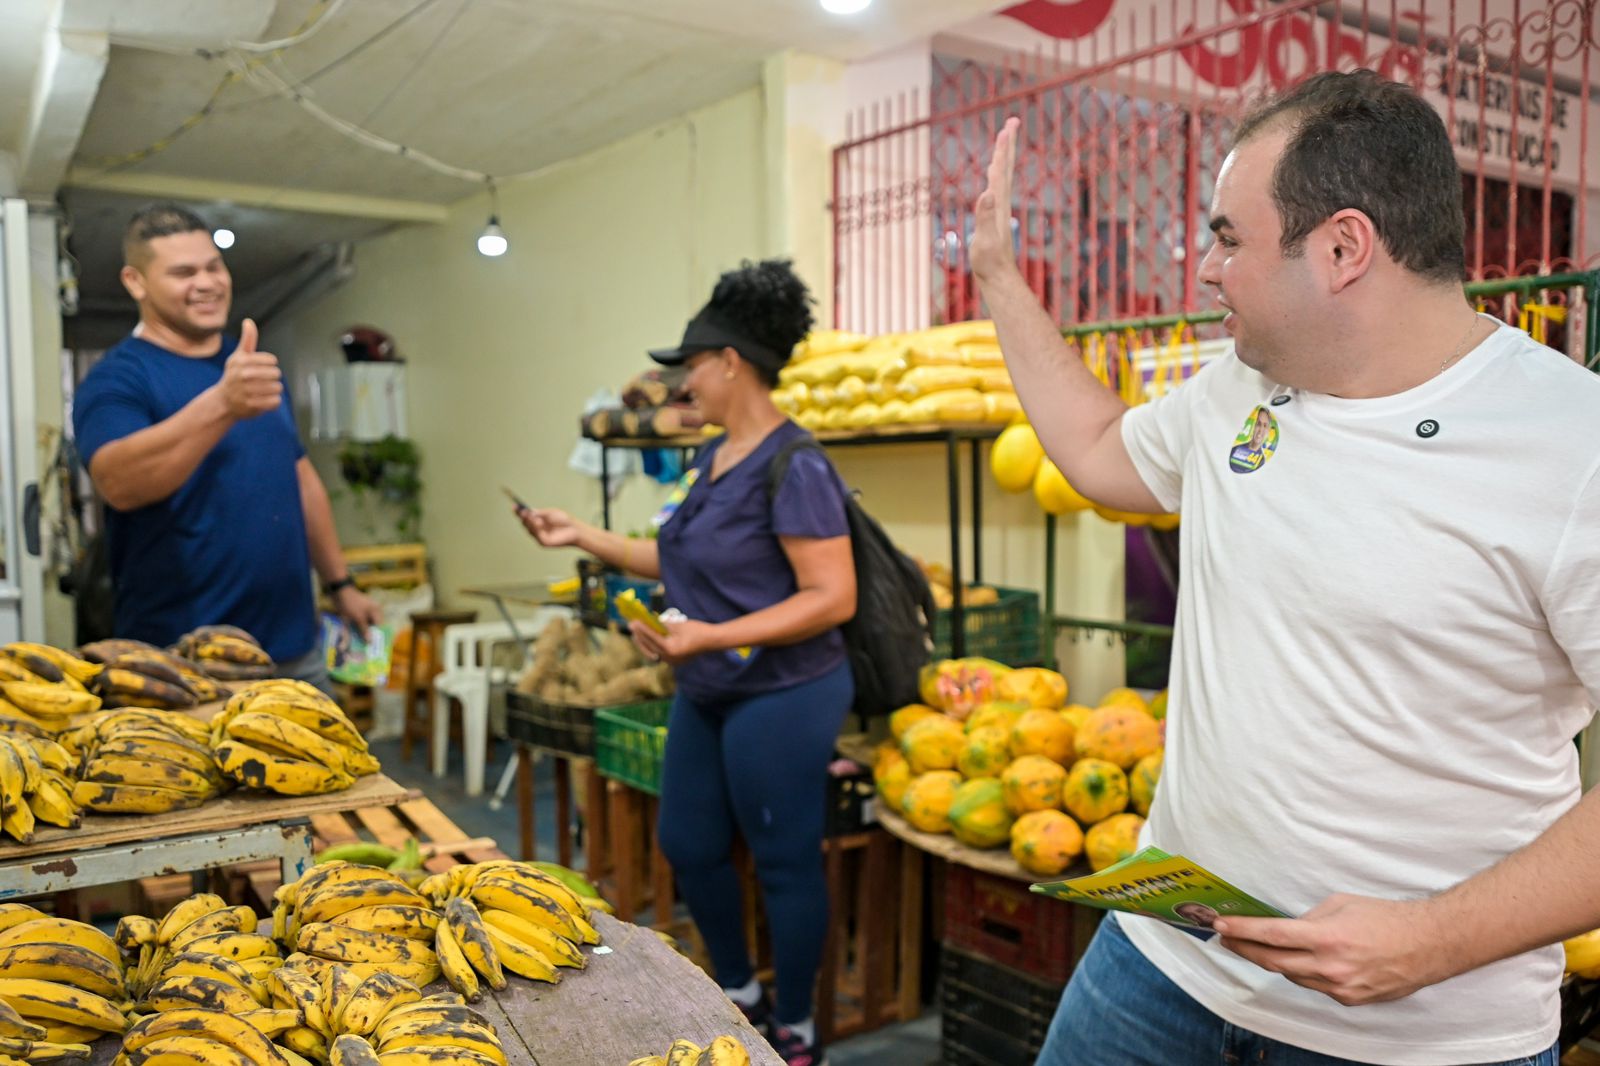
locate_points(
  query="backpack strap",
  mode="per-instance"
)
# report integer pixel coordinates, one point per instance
(779, 467)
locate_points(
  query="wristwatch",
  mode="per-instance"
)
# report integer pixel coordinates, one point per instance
(334, 586)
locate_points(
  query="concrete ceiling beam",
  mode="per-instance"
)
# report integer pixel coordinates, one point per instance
(171, 186)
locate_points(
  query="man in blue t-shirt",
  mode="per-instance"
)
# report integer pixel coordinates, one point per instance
(214, 514)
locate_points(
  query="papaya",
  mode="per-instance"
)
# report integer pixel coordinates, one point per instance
(1033, 783)
(908, 716)
(1015, 456)
(1158, 705)
(986, 753)
(978, 814)
(958, 686)
(1124, 696)
(1120, 733)
(891, 773)
(1042, 732)
(1077, 714)
(933, 744)
(1112, 840)
(1142, 781)
(927, 800)
(1001, 713)
(1035, 686)
(1044, 843)
(1095, 790)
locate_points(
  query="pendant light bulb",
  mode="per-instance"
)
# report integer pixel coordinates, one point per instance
(492, 241)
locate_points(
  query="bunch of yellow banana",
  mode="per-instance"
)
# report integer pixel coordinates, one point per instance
(198, 1036)
(505, 915)
(40, 663)
(172, 681)
(362, 917)
(351, 1020)
(226, 653)
(63, 978)
(286, 736)
(723, 1051)
(143, 761)
(51, 705)
(204, 953)
(36, 783)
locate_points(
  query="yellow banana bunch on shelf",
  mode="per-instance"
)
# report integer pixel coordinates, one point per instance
(143, 761)
(61, 981)
(179, 681)
(365, 919)
(36, 784)
(505, 915)
(723, 1051)
(203, 954)
(225, 653)
(287, 737)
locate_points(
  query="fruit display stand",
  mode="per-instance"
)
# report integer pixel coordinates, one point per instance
(239, 827)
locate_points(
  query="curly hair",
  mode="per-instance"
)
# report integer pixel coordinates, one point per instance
(768, 303)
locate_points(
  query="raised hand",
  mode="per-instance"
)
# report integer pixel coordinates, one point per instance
(552, 528)
(252, 382)
(991, 253)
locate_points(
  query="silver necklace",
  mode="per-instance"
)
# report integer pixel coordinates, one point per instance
(1459, 347)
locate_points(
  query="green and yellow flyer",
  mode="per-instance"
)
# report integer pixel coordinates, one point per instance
(1157, 885)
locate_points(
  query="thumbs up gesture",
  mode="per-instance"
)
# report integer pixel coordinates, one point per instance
(252, 383)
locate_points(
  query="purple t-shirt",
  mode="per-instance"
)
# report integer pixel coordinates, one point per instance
(721, 559)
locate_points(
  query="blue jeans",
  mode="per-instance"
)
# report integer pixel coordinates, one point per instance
(758, 767)
(1119, 1008)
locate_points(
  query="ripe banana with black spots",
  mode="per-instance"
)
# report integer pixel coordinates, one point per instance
(134, 799)
(466, 925)
(683, 1052)
(533, 952)
(469, 1035)
(373, 999)
(13, 1025)
(453, 961)
(304, 1041)
(348, 888)
(52, 803)
(434, 1056)
(49, 702)
(186, 911)
(344, 945)
(296, 989)
(53, 1001)
(225, 920)
(48, 929)
(176, 991)
(218, 968)
(414, 923)
(519, 899)
(146, 772)
(724, 1051)
(217, 1026)
(283, 774)
(351, 1050)
(71, 665)
(239, 946)
(67, 964)
(42, 1051)
(119, 686)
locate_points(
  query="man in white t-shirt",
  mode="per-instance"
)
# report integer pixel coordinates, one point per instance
(1388, 624)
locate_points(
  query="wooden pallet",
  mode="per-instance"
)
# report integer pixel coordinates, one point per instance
(442, 842)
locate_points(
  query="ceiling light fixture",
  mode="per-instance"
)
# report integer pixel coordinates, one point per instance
(845, 7)
(492, 241)
(223, 238)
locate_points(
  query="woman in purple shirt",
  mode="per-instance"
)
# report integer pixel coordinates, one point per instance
(765, 578)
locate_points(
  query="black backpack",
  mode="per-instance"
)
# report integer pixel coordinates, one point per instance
(890, 638)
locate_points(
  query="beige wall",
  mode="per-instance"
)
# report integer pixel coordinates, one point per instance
(610, 254)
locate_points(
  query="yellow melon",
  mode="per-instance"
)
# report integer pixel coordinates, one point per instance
(1053, 492)
(978, 814)
(926, 803)
(1042, 732)
(1033, 783)
(1119, 733)
(1034, 686)
(1112, 840)
(933, 744)
(1015, 456)
(1143, 780)
(1044, 843)
(986, 752)
(1095, 790)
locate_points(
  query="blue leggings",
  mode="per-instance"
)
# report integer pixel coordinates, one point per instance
(758, 766)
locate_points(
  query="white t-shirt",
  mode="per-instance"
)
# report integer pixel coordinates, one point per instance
(1388, 635)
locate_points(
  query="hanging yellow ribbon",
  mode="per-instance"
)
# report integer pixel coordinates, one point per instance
(1130, 382)
(1169, 362)
(1534, 319)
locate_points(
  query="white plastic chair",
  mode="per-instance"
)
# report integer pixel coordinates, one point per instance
(467, 656)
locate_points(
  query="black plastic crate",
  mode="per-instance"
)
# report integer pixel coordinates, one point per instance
(559, 727)
(991, 1014)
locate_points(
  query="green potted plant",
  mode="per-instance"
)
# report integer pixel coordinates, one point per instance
(389, 469)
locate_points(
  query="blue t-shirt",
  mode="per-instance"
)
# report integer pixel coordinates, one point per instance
(721, 559)
(229, 547)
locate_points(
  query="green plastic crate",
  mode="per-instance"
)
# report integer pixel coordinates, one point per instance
(1006, 631)
(629, 741)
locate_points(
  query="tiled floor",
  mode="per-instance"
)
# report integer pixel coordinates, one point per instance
(913, 1044)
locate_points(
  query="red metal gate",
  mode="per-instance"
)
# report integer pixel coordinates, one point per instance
(1127, 116)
